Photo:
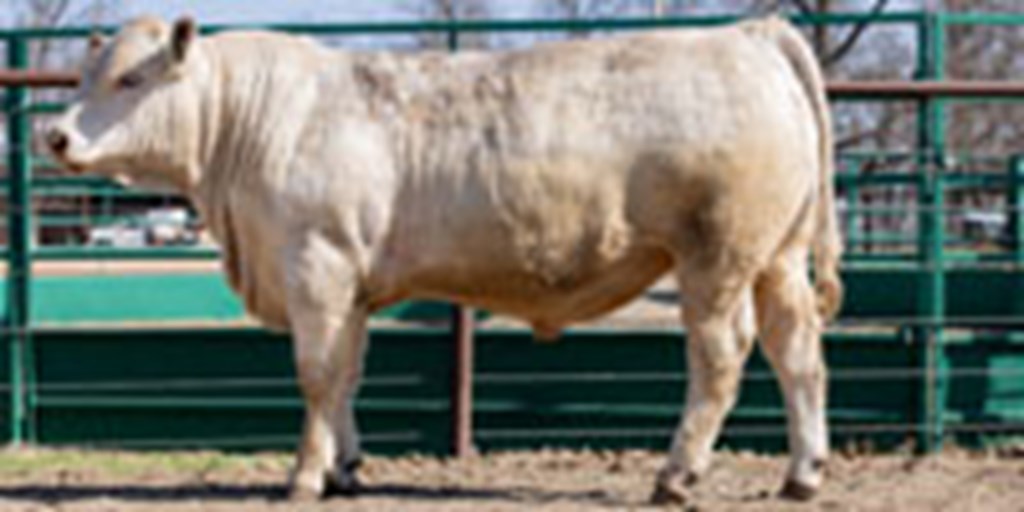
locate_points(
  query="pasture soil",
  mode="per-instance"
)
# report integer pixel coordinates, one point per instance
(45, 480)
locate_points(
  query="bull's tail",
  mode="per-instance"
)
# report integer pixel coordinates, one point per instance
(827, 243)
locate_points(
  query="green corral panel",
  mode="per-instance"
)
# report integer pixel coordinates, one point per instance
(121, 297)
(5, 394)
(877, 293)
(234, 389)
(972, 294)
(603, 390)
(880, 292)
(167, 298)
(227, 389)
(985, 294)
(986, 395)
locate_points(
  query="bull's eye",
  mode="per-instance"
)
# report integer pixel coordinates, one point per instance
(129, 81)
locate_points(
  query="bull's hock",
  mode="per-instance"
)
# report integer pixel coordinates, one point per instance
(553, 184)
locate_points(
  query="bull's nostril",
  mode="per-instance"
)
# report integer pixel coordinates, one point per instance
(57, 141)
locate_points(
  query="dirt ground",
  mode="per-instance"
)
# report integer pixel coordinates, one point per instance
(45, 480)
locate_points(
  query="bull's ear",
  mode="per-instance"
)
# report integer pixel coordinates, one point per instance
(182, 36)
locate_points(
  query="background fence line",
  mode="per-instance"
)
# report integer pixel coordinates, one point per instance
(925, 320)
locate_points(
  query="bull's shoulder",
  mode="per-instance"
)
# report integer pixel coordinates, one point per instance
(239, 46)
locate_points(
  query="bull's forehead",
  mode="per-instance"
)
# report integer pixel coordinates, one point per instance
(138, 42)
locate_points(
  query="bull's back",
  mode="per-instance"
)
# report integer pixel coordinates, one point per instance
(573, 173)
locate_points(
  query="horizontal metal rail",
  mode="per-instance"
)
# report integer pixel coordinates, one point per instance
(846, 89)
(894, 89)
(37, 78)
(509, 25)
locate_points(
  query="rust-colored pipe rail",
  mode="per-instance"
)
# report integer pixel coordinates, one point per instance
(900, 89)
(463, 328)
(850, 89)
(37, 78)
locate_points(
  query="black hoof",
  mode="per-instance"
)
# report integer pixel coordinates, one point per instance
(333, 488)
(346, 483)
(352, 466)
(797, 491)
(668, 494)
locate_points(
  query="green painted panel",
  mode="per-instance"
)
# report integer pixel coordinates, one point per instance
(5, 393)
(227, 389)
(123, 297)
(971, 293)
(879, 292)
(985, 293)
(986, 395)
(234, 389)
(875, 292)
(69, 300)
(616, 390)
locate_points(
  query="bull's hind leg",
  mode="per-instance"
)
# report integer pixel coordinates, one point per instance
(790, 329)
(328, 326)
(719, 319)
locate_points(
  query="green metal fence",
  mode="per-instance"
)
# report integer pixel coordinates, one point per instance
(926, 348)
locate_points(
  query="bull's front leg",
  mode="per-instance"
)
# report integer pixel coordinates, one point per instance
(328, 326)
(343, 478)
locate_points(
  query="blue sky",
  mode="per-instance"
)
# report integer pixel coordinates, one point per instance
(260, 11)
(256, 11)
(325, 11)
(269, 11)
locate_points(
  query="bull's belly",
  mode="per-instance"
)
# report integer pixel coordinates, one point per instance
(550, 305)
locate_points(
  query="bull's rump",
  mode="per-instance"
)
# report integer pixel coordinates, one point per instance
(565, 179)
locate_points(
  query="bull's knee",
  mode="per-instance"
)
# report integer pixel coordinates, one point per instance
(723, 380)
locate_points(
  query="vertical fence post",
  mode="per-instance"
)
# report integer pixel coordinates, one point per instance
(463, 326)
(854, 209)
(932, 238)
(1015, 207)
(18, 240)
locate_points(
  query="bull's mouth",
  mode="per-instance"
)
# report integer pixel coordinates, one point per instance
(75, 168)
(70, 165)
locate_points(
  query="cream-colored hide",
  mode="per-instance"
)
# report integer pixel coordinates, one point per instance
(554, 183)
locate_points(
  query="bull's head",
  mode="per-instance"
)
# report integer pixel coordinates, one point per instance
(135, 114)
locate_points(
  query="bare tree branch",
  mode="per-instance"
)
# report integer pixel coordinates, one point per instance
(450, 10)
(583, 9)
(854, 36)
(802, 6)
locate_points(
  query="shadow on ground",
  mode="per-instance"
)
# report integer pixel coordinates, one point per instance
(56, 494)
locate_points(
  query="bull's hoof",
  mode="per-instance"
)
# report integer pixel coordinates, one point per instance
(347, 486)
(797, 491)
(344, 482)
(299, 494)
(669, 494)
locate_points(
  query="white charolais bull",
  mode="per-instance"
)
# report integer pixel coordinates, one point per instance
(553, 183)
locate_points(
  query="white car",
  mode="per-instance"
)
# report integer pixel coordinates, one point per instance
(121, 234)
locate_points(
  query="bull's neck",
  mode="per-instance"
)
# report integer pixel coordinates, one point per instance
(254, 112)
